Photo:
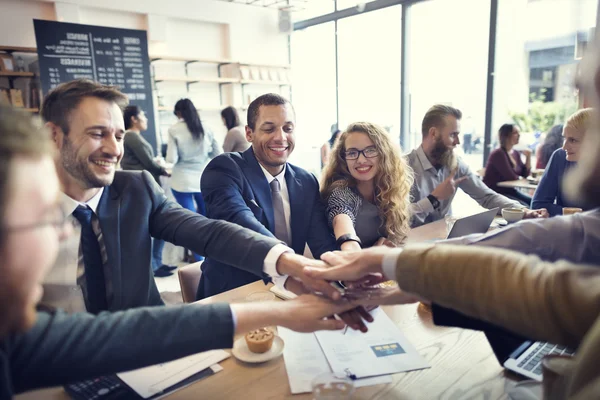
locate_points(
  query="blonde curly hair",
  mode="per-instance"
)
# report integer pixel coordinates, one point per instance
(392, 183)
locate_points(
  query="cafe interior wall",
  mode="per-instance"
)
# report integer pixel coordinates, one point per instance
(204, 29)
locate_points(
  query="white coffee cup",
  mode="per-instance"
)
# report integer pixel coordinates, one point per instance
(513, 214)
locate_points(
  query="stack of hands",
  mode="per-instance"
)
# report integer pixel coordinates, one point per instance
(362, 275)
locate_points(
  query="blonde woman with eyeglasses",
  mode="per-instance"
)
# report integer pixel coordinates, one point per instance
(366, 186)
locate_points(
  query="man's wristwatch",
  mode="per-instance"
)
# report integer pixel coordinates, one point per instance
(434, 201)
(345, 238)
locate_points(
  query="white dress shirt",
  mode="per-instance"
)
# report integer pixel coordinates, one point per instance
(61, 284)
(63, 276)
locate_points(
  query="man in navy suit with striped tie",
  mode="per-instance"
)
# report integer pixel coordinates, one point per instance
(258, 189)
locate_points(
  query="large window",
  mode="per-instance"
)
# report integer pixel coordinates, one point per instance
(314, 92)
(537, 49)
(359, 4)
(311, 9)
(447, 59)
(369, 68)
(538, 44)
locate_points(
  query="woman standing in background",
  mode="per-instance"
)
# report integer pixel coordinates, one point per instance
(138, 155)
(191, 147)
(235, 140)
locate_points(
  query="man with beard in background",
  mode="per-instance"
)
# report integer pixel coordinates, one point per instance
(438, 172)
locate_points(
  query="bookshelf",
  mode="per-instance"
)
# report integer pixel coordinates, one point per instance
(24, 93)
(14, 74)
(245, 74)
(16, 49)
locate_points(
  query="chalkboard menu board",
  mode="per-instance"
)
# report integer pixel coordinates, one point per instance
(111, 56)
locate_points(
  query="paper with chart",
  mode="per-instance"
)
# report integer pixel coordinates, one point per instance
(382, 350)
(304, 360)
(151, 380)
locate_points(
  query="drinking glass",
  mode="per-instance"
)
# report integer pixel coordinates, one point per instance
(260, 296)
(329, 386)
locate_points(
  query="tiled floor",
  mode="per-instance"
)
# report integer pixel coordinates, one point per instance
(172, 255)
(168, 283)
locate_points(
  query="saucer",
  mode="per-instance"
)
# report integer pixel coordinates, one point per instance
(241, 352)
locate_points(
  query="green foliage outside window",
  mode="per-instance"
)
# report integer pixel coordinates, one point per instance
(542, 115)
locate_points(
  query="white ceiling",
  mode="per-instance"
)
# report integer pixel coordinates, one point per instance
(291, 5)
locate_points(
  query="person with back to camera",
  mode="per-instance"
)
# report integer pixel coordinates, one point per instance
(191, 147)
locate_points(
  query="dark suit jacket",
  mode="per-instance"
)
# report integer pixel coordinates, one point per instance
(62, 348)
(134, 208)
(235, 189)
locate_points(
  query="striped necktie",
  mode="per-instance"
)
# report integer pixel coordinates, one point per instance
(281, 229)
(92, 259)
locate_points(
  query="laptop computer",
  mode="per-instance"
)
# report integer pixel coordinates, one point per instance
(526, 360)
(478, 223)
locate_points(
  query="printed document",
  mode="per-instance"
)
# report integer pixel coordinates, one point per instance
(152, 380)
(382, 350)
(304, 360)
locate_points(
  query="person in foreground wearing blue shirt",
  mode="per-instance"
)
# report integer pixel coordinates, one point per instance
(549, 194)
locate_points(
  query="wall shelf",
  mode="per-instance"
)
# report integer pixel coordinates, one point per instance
(235, 77)
(16, 49)
(214, 61)
(190, 60)
(14, 74)
(207, 108)
(259, 82)
(285, 66)
(190, 79)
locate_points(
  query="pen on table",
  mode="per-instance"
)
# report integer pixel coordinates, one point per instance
(345, 330)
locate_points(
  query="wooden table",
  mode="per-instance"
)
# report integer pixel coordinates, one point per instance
(427, 232)
(518, 184)
(463, 365)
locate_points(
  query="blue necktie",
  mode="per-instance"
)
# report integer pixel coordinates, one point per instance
(92, 260)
